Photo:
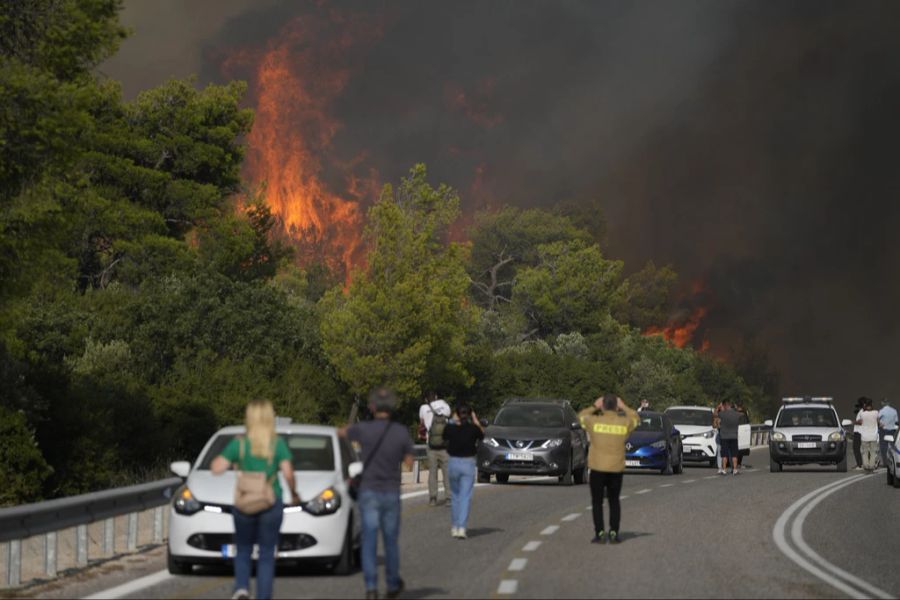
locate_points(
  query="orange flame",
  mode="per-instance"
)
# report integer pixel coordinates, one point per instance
(681, 334)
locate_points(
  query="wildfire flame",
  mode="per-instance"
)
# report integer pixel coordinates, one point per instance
(680, 329)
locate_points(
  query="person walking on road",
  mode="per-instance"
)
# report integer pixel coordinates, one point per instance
(608, 423)
(857, 438)
(261, 450)
(384, 446)
(433, 417)
(729, 421)
(887, 425)
(867, 424)
(462, 435)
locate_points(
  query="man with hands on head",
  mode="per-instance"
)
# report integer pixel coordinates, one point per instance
(608, 423)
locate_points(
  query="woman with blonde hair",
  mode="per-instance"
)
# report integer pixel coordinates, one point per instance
(260, 451)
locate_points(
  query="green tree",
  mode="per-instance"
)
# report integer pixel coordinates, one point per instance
(644, 297)
(22, 466)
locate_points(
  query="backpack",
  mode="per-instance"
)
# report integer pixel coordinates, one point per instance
(436, 431)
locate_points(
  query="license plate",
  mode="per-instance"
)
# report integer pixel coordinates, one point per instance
(230, 551)
(806, 444)
(525, 456)
(632, 463)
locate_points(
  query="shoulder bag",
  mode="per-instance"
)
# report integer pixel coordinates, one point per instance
(253, 492)
(354, 483)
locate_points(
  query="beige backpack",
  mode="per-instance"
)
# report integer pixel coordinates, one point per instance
(253, 492)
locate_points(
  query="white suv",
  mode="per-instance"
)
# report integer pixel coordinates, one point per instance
(698, 438)
(807, 431)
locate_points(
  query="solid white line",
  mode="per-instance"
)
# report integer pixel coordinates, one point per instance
(667, 485)
(550, 530)
(689, 481)
(508, 586)
(132, 586)
(517, 564)
(531, 546)
(643, 491)
(778, 533)
(571, 517)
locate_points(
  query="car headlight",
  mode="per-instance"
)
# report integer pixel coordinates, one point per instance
(185, 503)
(835, 436)
(660, 445)
(778, 436)
(709, 434)
(491, 442)
(554, 443)
(326, 503)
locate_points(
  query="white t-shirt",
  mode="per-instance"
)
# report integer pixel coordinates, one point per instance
(440, 407)
(868, 431)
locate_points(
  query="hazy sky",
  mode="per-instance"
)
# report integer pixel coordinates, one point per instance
(751, 145)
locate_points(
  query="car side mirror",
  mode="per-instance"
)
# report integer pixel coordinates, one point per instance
(768, 422)
(484, 422)
(182, 468)
(889, 438)
(575, 426)
(846, 423)
(355, 468)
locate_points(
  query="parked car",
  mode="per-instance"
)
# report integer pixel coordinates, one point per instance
(807, 431)
(324, 528)
(534, 436)
(655, 444)
(698, 438)
(893, 460)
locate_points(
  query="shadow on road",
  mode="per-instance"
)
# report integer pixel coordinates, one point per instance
(480, 531)
(625, 536)
(424, 592)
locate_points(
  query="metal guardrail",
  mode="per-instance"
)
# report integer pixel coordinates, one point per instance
(759, 435)
(52, 516)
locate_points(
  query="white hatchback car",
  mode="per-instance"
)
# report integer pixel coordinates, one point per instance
(325, 527)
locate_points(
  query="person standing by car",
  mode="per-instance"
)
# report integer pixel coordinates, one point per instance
(261, 450)
(462, 435)
(729, 421)
(433, 417)
(384, 446)
(887, 425)
(717, 426)
(867, 424)
(857, 438)
(645, 405)
(608, 423)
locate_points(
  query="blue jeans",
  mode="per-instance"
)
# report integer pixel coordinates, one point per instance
(462, 480)
(261, 529)
(380, 510)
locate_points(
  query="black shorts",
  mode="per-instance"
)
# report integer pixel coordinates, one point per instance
(729, 448)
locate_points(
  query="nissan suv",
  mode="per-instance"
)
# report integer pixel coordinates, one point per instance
(807, 431)
(534, 436)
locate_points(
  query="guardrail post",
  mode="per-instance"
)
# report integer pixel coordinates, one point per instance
(157, 524)
(132, 531)
(416, 470)
(50, 554)
(109, 537)
(81, 546)
(14, 563)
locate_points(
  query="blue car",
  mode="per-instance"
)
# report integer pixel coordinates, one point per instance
(655, 444)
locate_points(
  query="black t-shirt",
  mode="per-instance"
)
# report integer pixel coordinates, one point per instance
(462, 440)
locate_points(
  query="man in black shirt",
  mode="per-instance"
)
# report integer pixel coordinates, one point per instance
(462, 437)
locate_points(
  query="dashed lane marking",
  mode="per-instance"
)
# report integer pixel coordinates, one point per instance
(571, 517)
(712, 477)
(643, 491)
(550, 530)
(508, 586)
(517, 564)
(667, 485)
(689, 481)
(622, 497)
(531, 546)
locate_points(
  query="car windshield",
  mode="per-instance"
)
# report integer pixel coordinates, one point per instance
(529, 416)
(650, 423)
(688, 416)
(310, 452)
(807, 417)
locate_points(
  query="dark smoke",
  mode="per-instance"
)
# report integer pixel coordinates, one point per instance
(752, 145)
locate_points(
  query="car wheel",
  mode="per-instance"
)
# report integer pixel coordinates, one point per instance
(774, 466)
(502, 477)
(842, 466)
(484, 477)
(679, 468)
(896, 479)
(713, 462)
(344, 564)
(890, 476)
(568, 477)
(178, 567)
(667, 470)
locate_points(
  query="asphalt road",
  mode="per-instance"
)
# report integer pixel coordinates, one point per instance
(690, 535)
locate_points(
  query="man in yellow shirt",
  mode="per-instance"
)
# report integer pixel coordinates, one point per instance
(608, 423)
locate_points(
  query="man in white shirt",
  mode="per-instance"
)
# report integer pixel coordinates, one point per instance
(437, 446)
(867, 426)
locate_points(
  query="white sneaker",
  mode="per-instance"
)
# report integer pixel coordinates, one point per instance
(454, 532)
(857, 468)
(240, 594)
(462, 533)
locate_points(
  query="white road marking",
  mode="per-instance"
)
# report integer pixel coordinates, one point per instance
(550, 530)
(592, 507)
(132, 586)
(851, 585)
(667, 485)
(689, 481)
(409, 495)
(712, 477)
(517, 564)
(531, 546)
(571, 517)
(622, 497)
(508, 586)
(643, 491)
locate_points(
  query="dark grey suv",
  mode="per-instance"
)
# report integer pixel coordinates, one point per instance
(534, 436)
